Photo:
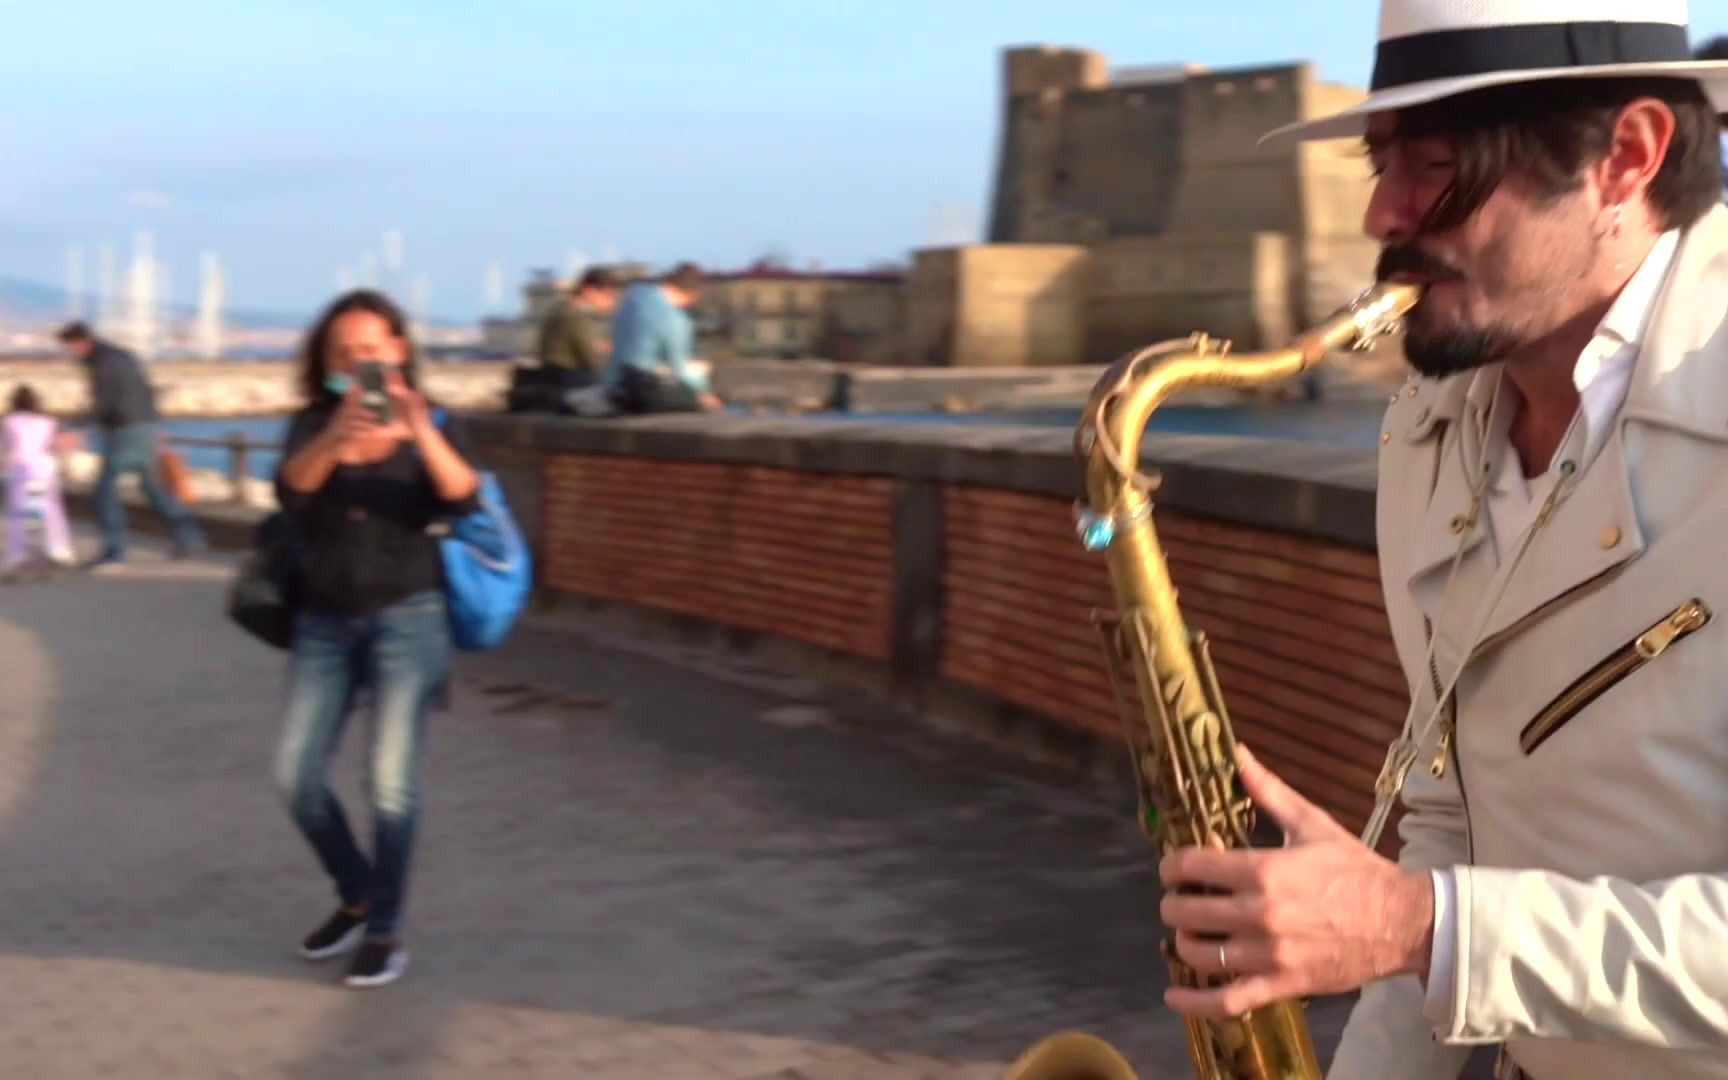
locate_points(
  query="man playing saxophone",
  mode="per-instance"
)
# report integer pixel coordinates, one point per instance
(1553, 540)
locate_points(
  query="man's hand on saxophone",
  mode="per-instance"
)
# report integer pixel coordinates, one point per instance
(1323, 915)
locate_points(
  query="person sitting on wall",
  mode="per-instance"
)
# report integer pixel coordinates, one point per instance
(572, 348)
(572, 335)
(651, 369)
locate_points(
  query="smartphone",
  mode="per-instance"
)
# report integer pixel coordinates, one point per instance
(370, 375)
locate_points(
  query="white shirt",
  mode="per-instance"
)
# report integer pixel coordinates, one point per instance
(1603, 373)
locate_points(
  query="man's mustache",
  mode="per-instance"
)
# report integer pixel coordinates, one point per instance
(1409, 259)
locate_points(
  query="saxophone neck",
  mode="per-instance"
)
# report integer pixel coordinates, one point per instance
(1137, 385)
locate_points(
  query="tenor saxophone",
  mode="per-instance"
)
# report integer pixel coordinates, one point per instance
(1180, 741)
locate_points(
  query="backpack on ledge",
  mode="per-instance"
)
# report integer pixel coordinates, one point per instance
(488, 569)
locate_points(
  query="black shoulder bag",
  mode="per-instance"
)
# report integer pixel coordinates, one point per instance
(263, 598)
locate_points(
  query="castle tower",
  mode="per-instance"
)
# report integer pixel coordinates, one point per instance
(1035, 81)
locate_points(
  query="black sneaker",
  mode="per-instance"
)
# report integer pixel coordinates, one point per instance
(340, 933)
(378, 963)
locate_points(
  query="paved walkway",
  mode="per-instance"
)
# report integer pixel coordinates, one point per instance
(635, 863)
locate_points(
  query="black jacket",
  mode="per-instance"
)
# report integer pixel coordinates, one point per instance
(365, 534)
(119, 393)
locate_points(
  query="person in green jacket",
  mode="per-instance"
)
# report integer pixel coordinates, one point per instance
(573, 333)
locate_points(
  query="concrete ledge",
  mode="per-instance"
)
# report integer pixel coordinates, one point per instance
(864, 389)
(1317, 490)
(1313, 489)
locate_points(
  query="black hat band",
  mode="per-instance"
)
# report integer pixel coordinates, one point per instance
(1449, 54)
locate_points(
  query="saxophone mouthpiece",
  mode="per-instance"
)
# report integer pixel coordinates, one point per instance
(1375, 312)
(1380, 309)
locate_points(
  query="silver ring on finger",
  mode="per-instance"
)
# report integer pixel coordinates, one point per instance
(1223, 961)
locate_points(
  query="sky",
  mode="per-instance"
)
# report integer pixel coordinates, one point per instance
(289, 138)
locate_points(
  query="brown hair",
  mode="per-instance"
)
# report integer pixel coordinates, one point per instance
(1549, 132)
(597, 278)
(686, 276)
(75, 331)
(314, 364)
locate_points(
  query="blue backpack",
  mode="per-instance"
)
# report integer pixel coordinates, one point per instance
(488, 569)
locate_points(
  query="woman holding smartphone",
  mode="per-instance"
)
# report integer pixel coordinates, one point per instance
(365, 472)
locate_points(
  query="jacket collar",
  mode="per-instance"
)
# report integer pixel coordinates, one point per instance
(1681, 380)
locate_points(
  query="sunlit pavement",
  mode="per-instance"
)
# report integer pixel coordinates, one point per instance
(636, 861)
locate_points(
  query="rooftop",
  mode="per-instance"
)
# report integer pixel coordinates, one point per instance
(765, 270)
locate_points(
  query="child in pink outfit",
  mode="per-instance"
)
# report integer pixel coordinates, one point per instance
(32, 478)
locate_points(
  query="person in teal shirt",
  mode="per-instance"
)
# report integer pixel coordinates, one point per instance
(653, 341)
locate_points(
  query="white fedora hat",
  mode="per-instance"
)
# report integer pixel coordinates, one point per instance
(1433, 49)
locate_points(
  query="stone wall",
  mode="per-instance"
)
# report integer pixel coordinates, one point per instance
(776, 550)
(1146, 289)
(990, 305)
(1175, 157)
(865, 324)
(940, 565)
(1229, 182)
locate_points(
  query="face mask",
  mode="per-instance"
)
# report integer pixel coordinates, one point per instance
(338, 383)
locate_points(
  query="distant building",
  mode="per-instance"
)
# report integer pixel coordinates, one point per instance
(769, 311)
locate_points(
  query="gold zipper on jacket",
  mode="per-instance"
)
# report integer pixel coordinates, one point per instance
(1443, 747)
(1686, 619)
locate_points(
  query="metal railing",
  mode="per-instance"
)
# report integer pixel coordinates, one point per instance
(240, 447)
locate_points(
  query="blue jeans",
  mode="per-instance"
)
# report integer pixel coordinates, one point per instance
(132, 449)
(401, 655)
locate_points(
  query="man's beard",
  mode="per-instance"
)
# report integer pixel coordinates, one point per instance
(1440, 351)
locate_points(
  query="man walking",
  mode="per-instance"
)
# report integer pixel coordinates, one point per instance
(652, 342)
(123, 413)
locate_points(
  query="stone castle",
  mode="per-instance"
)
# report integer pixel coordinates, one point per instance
(1135, 205)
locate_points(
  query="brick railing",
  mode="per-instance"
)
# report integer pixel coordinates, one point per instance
(946, 557)
(777, 550)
